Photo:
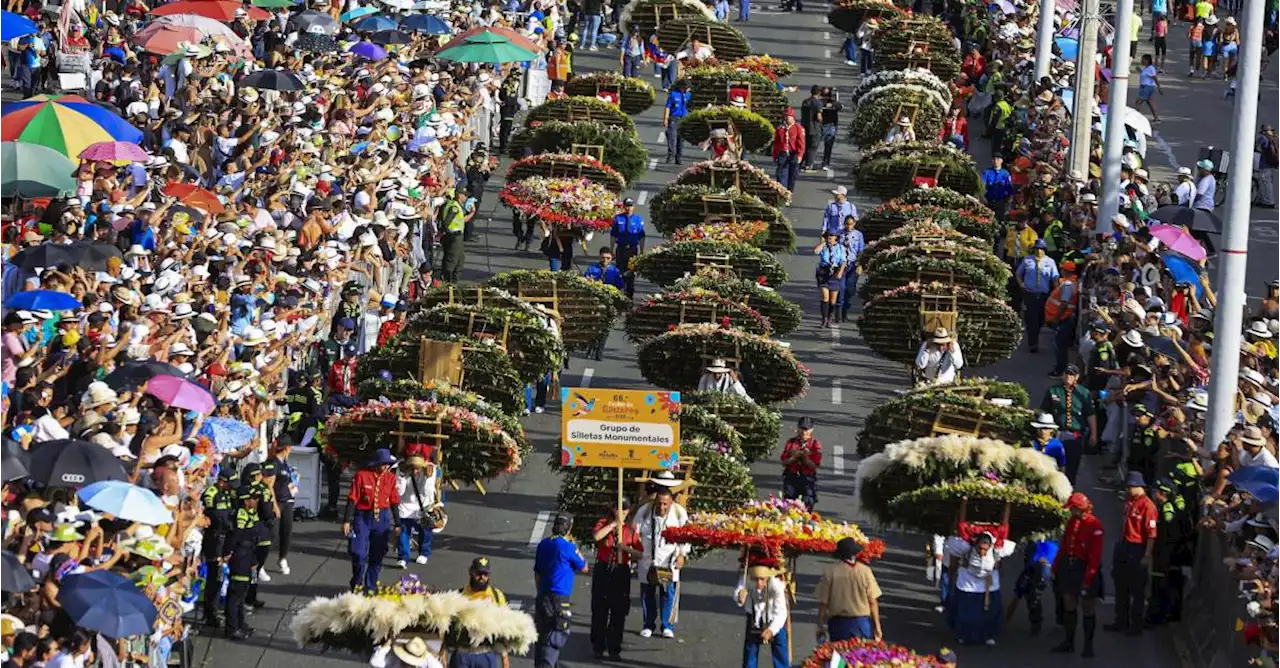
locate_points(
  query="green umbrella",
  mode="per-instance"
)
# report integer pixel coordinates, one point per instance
(32, 170)
(273, 4)
(487, 48)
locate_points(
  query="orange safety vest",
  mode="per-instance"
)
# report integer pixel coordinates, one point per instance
(1057, 309)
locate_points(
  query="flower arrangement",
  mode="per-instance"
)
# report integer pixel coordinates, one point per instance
(893, 214)
(699, 422)
(754, 131)
(535, 348)
(727, 42)
(486, 368)
(848, 15)
(678, 205)
(580, 108)
(987, 329)
(933, 509)
(968, 267)
(876, 113)
(709, 87)
(784, 315)
(947, 199)
(750, 179)
(476, 447)
(562, 164)
(666, 264)
(776, 527)
(887, 170)
(568, 203)
(661, 312)
(923, 462)
(892, 42)
(587, 308)
(642, 17)
(754, 232)
(912, 415)
(765, 65)
(914, 231)
(470, 294)
(860, 653)
(675, 359)
(362, 623)
(635, 95)
(758, 425)
(622, 150)
(916, 77)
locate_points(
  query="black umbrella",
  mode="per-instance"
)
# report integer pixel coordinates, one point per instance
(72, 463)
(92, 256)
(131, 375)
(14, 461)
(14, 577)
(316, 43)
(385, 37)
(273, 80)
(43, 255)
(1196, 220)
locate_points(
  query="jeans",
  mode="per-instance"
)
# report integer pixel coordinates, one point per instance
(850, 50)
(829, 132)
(408, 528)
(788, 169)
(370, 533)
(744, 10)
(1033, 316)
(848, 628)
(864, 63)
(590, 31)
(778, 649)
(848, 292)
(657, 600)
(675, 145)
(631, 65)
(535, 396)
(669, 76)
(1064, 334)
(801, 486)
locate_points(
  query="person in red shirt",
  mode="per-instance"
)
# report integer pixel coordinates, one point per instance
(611, 581)
(788, 150)
(389, 329)
(1075, 572)
(1131, 560)
(373, 493)
(801, 457)
(974, 65)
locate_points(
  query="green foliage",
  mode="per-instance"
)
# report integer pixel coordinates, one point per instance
(969, 267)
(759, 426)
(660, 313)
(728, 43)
(914, 231)
(750, 179)
(675, 360)
(669, 263)
(587, 308)
(676, 206)
(486, 369)
(947, 199)
(887, 218)
(535, 349)
(933, 509)
(579, 108)
(912, 416)
(635, 95)
(444, 393)
(876, 114)
(754, 131)
(709, 86)
(886, 171)
(622, 150)
(987, 329)
(784, 315)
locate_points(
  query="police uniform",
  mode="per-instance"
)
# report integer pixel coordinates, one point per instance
(1169, 555)
(1071, 409)
(266, 521)
(627, 234)
(219, 505)
(678, 107)
(453, 222)
(242, 547)
(1144, 448)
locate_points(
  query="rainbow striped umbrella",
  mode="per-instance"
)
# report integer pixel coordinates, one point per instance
(67, 124)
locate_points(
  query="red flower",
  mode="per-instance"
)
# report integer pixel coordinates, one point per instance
(724, 322)
(761, 280)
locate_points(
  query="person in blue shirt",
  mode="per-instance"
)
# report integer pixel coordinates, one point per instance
(627, 236)
(1036, 573)
(1036, 276)
(837, 210)
(676, 109)
(721, 10)
(554, 565)
(998, 185)
(1047, 441)
(830, 273)
(854, 243)
(604, 271)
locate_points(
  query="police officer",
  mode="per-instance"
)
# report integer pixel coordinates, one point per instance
(453, 223)
(254, 475)
(1073, 409)
(554, 565)
(1144, 443)
(305, 402)
(604, 271)
(480, 587)
(477, 174)
(219, 503)
(284, 490)
(241, 550)
(627, 235)
(1171, 538)
(350, 309)
(1103, 364)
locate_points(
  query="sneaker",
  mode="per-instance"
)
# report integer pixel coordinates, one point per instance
(539, 409)
(991, 642)
(646, 633)
(939, 608)
(595, 48)
(422, 559)
(668, 633)
(263, 576)
(401, 563)
(850, 63)
(284, 566)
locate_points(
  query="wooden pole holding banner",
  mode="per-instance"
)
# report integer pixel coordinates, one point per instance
(617, 541)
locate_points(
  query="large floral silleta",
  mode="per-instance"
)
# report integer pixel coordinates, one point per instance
(775, 527)
(571, 203)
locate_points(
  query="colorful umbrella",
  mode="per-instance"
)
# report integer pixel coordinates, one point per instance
(358, 13)
(211, 28)
(42, 300)
(487, 48)
(219, 10)
(32, 170)
(375, 23)
(107, 603)
(511, 35)
(368, 51)
(227, 434)
(181, 393)
(1179, 241)
(13, 26)
(67, 124)
(432, 25)
(115, 151)
(192, 51)
(126, 501)
(193, 195)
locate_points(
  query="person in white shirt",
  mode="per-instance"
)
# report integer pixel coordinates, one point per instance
(939, 359)
(416, 484)
(1253, 449)
(974, 609)
(1185, 193)
(659, 566)
(718, 377)
(764, 596)
(1206, 186)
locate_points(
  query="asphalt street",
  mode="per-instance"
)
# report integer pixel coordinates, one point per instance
(847, 382)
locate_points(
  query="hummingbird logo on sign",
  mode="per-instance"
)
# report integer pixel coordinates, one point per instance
(583, 406)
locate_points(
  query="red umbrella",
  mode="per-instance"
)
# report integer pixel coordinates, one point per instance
(220, 10)
(181, 393)
(194, 196)
(164, 39)
(515, 38)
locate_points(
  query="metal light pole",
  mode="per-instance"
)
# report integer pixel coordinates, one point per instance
(1082, 107)
(1118, 99)
(1228, 318)
(1044, 38)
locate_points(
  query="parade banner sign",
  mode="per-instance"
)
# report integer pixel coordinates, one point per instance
(620, 428)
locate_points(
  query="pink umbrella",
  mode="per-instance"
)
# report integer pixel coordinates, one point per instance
(1179, 241)
(181, 393)
(114, 151)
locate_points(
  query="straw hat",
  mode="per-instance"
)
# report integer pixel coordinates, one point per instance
(760, 571)
(1044, 421)
(413, 653)
(904, 122)
(942, 336)
(717, 366)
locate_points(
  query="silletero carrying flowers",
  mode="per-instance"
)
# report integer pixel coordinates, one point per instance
(567, 203)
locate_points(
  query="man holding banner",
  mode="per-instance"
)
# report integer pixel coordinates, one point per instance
(611, 580)
(661, 563)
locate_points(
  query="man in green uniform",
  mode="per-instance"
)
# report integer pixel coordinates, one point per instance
(265, 507)
(219, 503)
(1103, 364)
(1072, 407)
(1144, 443)
(1169, 555)
(241, 549)
(453, 222)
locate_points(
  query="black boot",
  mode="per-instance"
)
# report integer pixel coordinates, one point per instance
(1068, 645)
(1090, 623)
(825, 309)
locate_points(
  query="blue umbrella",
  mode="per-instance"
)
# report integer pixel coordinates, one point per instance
(126, 501)
(1255, 474)
(358, 13)
(227, 434)
(432, 25)
(1070, 48)
(1262, 490)
(42, 300)
(107, 603)
(13, 26)
(375, 23)
(1183, 269)
(368, 51)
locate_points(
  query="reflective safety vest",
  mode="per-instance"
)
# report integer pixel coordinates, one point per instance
(453, 217)
(1061, 305)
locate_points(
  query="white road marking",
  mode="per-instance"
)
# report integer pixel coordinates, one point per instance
(588, 372)
(837, 459)
(642, 197)
(826, 35)
(836, 392)
(662, 137)
(1163, 147)
(830, 173)
(827, 73)
(827, 52)
(653, 162)
(835, 335)
(539, 528)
